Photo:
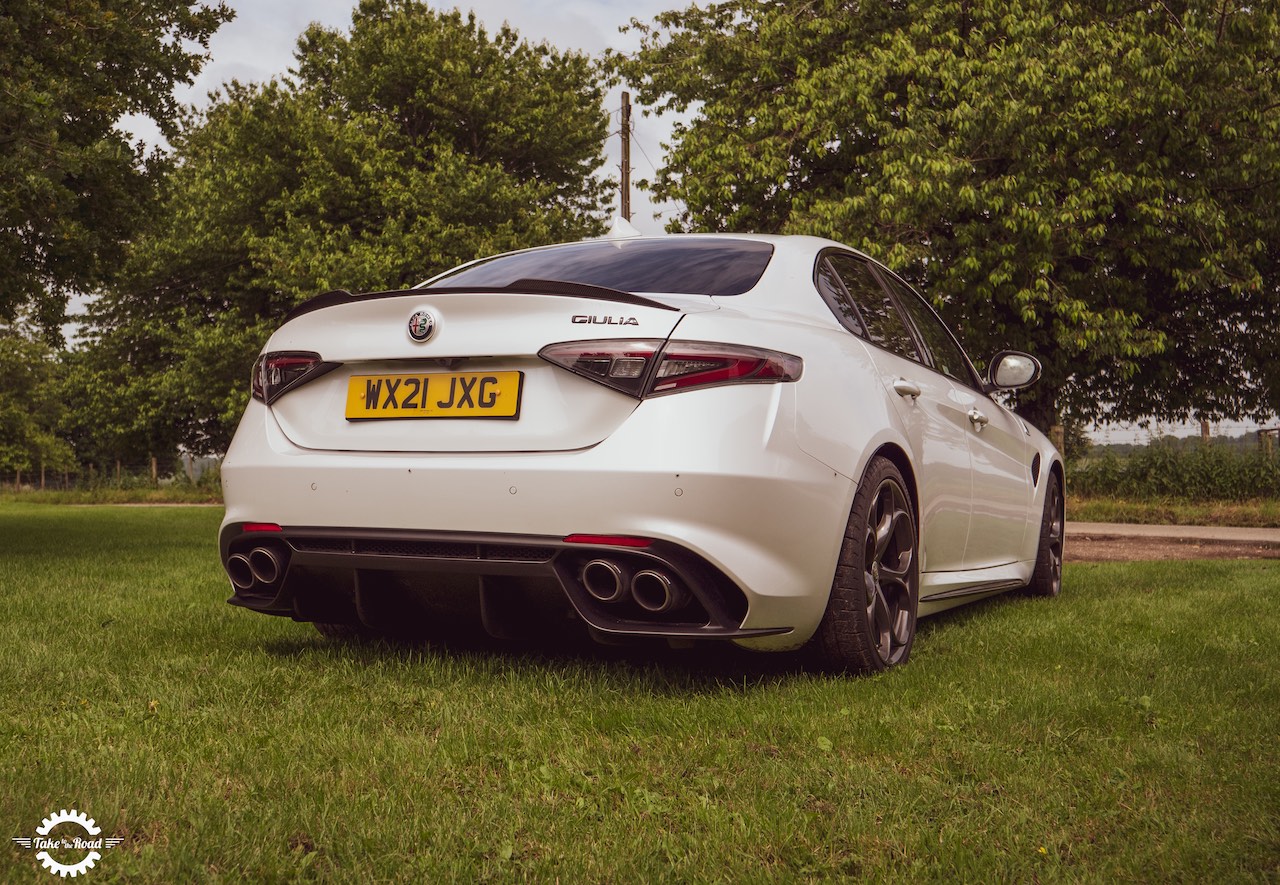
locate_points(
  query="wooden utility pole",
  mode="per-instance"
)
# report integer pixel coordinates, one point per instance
(1265, 437)
(626, 157)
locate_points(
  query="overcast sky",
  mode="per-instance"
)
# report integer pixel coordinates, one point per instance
(258, 45)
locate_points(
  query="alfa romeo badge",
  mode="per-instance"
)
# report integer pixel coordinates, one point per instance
(422, 325)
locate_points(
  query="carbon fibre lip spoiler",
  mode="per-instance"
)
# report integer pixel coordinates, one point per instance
(338, 297)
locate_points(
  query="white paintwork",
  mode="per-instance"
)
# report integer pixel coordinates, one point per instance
(758, 479)
(1001, 458)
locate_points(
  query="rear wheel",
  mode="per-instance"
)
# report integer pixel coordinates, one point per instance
(1046, 580)
(870, 622)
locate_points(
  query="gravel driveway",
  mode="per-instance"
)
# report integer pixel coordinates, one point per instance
(1101, 542)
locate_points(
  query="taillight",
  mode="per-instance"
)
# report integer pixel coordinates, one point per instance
(687, 364)
(275, 374)
(622, 365)
(646, 367)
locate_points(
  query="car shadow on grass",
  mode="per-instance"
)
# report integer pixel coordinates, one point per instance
(706, 666)
(653, 664)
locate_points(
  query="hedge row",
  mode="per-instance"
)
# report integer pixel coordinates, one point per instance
(1167, 470)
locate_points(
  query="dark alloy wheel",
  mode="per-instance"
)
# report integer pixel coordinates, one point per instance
(870, 622)
(1046, 580)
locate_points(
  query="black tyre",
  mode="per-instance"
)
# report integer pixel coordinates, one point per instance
(870, 622)
(1046, 580)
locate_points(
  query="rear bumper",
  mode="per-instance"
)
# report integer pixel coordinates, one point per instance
(323, 573)
(749, 520)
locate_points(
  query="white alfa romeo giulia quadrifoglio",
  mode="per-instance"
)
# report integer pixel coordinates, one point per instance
(769, 440)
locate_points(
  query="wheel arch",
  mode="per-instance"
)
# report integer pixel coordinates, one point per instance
(898, 456)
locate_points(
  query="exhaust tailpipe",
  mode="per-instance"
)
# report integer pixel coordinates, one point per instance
(657, 592)
(604, 580)
(240, 572)
(265, 565)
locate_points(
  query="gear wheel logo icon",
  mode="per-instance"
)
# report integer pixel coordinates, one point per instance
(90, 827)
(65, 841)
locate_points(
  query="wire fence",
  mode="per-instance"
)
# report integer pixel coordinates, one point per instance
(1163, 467)
(122, 473)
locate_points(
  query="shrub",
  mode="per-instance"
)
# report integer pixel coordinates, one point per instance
(1167, 470)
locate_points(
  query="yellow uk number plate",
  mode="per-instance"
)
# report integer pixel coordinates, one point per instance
(437, 395)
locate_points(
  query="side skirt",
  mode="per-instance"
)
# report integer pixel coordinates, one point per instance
(940, 591)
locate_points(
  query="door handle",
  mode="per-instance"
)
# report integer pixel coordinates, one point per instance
(977, 419)
(903, 387)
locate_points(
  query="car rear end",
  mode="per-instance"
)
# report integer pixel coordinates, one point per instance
(530, 446)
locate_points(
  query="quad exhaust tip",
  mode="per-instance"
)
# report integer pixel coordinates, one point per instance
(653, 590)
(260, 568)
(240, 572)
(657, 592)
(265, 565)
(604, 580)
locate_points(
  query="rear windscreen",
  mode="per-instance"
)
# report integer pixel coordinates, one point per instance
(680, 267)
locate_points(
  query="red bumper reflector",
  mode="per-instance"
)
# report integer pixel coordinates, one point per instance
(260, 527)
(609, 540)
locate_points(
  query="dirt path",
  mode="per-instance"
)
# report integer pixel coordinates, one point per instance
(1097, 548)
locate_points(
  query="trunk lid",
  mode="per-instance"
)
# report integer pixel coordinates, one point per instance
(474, 384)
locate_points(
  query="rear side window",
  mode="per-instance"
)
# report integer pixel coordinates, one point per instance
(881, 322)
(947, 356)
(693, 266)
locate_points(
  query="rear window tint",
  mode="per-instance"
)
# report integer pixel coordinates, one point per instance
(682, 267)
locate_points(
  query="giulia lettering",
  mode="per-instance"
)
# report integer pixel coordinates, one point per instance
(605, 321)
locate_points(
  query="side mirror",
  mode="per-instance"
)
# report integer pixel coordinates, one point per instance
(1011, 370)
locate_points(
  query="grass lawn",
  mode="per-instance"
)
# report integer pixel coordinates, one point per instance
(1125, 731)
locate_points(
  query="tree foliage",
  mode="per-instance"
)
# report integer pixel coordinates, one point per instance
(1092, 181)
(72, 188)
(31, 411)
(405, 146)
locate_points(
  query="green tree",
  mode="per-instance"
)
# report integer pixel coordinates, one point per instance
(30, 408)
(72, 188)
(403, 147)
(1092, 181)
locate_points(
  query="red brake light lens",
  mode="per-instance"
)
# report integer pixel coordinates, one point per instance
(275, 374)
(609, 540)
(643, 368)
(687, 364)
